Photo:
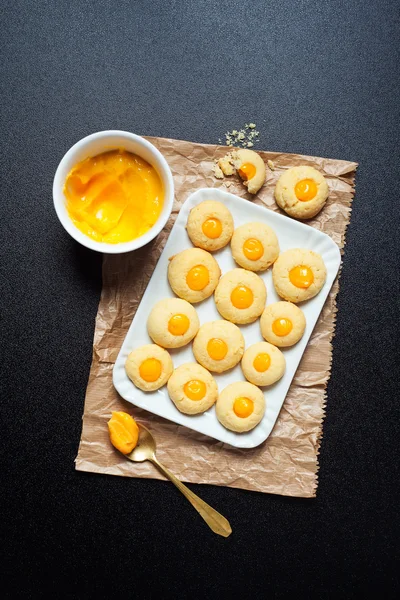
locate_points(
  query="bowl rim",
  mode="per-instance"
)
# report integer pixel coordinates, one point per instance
(122, 247)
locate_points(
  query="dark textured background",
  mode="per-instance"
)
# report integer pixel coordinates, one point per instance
(318, 77)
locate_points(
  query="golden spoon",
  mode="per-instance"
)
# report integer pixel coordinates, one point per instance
(146, 450)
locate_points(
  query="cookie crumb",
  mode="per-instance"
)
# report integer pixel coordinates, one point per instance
(271, 165)
(243, 137)
(218, 172)
(225, 165)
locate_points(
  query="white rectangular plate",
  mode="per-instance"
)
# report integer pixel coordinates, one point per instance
(291, 234)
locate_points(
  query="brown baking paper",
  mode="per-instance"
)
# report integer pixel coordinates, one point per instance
(287, 462)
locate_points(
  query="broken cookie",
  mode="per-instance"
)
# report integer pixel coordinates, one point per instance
(251, 169)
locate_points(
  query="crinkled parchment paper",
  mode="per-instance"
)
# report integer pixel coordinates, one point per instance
(287, 462)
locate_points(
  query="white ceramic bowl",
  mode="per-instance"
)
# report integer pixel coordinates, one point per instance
(97, 143)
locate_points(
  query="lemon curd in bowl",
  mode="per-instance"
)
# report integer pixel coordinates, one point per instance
(114, 197)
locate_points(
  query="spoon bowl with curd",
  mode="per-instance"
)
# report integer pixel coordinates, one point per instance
(113, 192)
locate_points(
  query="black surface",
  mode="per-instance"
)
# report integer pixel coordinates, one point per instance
(316, 77)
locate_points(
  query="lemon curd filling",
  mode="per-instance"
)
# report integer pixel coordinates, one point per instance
(198, 278)
(301, 276)
(306, 190)
(253, 249)
(178, 324)
(262, 362)
(217, 349)
(282, 326)
(243, 407)
(212, 228)
(114, 197)
(247, 171)
(242, 297)
(195, 389)
(150, 369)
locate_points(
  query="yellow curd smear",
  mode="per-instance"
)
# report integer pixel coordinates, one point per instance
(114, 197)
(124, 432)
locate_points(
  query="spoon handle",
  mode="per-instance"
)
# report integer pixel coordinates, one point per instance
(214, 519)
